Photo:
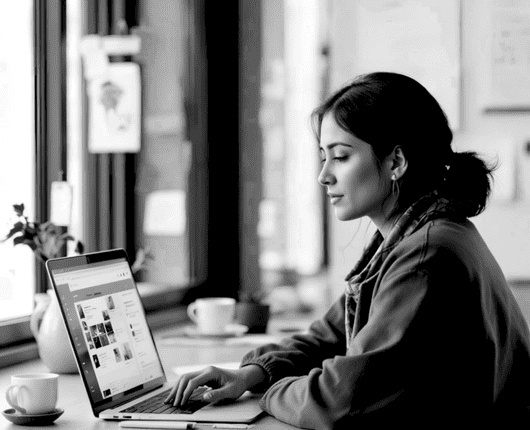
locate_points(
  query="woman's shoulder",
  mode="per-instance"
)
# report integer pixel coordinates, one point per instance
(445, 239)
(444, 232)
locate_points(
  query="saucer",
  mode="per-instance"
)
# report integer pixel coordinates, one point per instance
(231, 330)
(32, 420)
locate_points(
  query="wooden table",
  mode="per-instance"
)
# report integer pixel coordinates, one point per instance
(73, 398)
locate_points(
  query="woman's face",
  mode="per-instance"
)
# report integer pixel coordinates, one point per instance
(355, 185)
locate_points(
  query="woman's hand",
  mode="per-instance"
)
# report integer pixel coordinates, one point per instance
(226, 384)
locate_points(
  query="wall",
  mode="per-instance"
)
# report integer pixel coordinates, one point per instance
(505, 225)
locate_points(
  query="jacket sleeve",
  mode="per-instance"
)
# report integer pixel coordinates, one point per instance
(368, 376)
(298, 354)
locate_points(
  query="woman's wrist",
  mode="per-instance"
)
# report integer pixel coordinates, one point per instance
(254, 376)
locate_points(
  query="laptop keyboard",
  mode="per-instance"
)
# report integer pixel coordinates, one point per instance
(156, 405)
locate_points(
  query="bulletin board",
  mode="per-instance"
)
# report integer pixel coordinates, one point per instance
(419, 38)
(508, 49)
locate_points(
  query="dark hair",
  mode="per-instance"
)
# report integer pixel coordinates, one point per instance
(389, 109)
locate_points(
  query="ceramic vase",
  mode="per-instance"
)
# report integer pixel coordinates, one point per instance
(48, 328)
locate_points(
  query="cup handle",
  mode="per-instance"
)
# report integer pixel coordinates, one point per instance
(192, 312)
(13, 402)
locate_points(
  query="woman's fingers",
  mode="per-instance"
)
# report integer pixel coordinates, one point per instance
(218, 397)
(223, 383)
(182, 384)
(177, 388)
(171, 394)
(187, 383)
(210, 374)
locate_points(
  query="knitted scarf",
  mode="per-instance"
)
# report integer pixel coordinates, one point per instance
(425, 209)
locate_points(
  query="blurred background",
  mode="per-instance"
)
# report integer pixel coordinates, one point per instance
(200, 151)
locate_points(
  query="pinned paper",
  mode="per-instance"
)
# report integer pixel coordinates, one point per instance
(96, 49)
(115, 110)
(61, 203)
(165, 213)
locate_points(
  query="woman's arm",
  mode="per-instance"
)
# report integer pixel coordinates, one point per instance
(372, 373)
(298, 354)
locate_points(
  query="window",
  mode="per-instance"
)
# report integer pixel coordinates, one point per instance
(17, 160)
(32, 147)
(109, 189)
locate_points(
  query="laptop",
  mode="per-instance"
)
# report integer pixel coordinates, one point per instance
(114, 348)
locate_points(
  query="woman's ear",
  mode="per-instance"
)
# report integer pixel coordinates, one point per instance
(397, 162)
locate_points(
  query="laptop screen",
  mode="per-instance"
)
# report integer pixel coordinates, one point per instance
(106, 322)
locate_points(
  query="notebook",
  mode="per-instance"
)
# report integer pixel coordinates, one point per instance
(114, 348)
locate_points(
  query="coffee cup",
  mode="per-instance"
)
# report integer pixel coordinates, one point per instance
(212, 314)
(33, 393)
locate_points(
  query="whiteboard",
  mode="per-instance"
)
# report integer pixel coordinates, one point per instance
(508, 77)
(418, 38)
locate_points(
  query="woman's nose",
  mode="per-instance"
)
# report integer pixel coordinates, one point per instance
(325, 178)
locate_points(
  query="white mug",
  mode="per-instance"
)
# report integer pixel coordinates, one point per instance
(212, 314)
(33, 393)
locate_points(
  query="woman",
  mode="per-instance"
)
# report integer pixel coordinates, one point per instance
(427, 325)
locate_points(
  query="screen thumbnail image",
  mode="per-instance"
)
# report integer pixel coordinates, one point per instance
(99, 335)
(117, 354)
(110, 332)
(89, 340)
(80, 311)
(127, 353)
(110, 303)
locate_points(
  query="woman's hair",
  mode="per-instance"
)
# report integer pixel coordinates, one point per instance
(389, 109)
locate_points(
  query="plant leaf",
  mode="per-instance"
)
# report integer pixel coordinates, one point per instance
(41, 256)
(48, 227)
(80, 248)
(66, 237)
(29, 231)
(19, 240)
(17, 228)
(19, 209)
(31, 244)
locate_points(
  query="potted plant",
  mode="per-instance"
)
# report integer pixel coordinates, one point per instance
(47, 240)
(253, 311)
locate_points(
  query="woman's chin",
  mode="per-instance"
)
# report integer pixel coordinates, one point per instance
(343, 216)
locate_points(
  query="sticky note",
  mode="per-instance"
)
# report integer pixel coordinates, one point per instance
(61, 203)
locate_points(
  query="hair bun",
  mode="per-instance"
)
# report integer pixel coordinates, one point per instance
(468, 182)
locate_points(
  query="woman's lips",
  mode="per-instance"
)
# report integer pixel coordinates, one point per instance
(334, 199)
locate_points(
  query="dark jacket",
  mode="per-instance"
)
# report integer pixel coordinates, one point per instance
(437, 335)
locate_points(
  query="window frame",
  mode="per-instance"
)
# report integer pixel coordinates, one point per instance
(213, 270)
(50, 150)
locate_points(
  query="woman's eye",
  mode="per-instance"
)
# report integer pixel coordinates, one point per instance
(339, 159)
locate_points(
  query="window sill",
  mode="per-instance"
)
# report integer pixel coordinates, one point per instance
(18, 353)
(15, 354)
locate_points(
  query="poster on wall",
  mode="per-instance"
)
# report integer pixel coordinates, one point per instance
(508, 80)
(115, 110)
(419, 38)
